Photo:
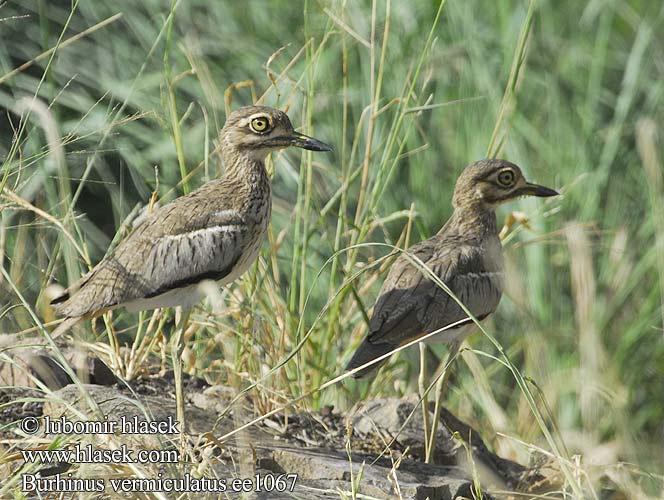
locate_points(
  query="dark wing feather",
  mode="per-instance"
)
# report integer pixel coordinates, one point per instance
(401, 296)
(164, 252)
(411, 304)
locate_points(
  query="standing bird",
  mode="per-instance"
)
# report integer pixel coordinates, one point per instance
(213, 233)
(466, 255)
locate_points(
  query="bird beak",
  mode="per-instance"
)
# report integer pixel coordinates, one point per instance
(536, 190)
(305, 142)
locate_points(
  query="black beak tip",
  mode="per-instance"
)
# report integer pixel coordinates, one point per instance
(541, 191)
(306, 142)
(546, 192)
(320, 146)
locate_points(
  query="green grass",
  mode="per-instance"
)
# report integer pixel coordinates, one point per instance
(571, 92)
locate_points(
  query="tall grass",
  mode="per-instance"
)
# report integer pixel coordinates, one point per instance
(408, 93)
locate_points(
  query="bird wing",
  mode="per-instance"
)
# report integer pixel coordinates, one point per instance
(165, 252)
(207, 249)
(411, 304)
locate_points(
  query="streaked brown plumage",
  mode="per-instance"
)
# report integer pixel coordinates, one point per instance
(466, 254)
(212, 233)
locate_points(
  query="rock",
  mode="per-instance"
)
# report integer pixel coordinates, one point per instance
(390, 418)
(315, 446)
(393, 418)
(33, 357)
(329, 469)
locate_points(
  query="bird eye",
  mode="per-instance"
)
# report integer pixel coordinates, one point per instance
(259, 124)
(506, 178)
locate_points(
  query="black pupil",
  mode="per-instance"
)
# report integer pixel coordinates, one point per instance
(259, 124)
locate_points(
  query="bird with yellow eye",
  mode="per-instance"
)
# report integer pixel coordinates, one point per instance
(466, 255)
(214, 233)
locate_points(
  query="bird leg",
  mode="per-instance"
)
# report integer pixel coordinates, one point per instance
(177, 349)
(424, 392)
(440, 389)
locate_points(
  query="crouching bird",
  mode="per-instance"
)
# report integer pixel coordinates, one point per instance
(213, 233)
(466, 255)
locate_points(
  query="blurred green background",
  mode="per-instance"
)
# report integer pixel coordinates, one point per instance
(571, 91)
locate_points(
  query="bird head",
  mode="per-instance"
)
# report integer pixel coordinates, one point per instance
(493, 182)
(259, 130)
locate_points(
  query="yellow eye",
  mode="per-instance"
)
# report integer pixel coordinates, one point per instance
(259, 124)
(506, 178)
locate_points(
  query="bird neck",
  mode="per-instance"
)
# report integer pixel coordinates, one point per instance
(474, 220)
(243, 168)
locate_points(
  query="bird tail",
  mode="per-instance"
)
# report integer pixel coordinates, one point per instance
(364, 354)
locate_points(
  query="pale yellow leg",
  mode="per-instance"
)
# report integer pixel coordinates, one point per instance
(423, 392)
(440, 389)
(177, 349)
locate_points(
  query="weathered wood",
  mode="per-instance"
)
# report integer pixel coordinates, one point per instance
(311, 445)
